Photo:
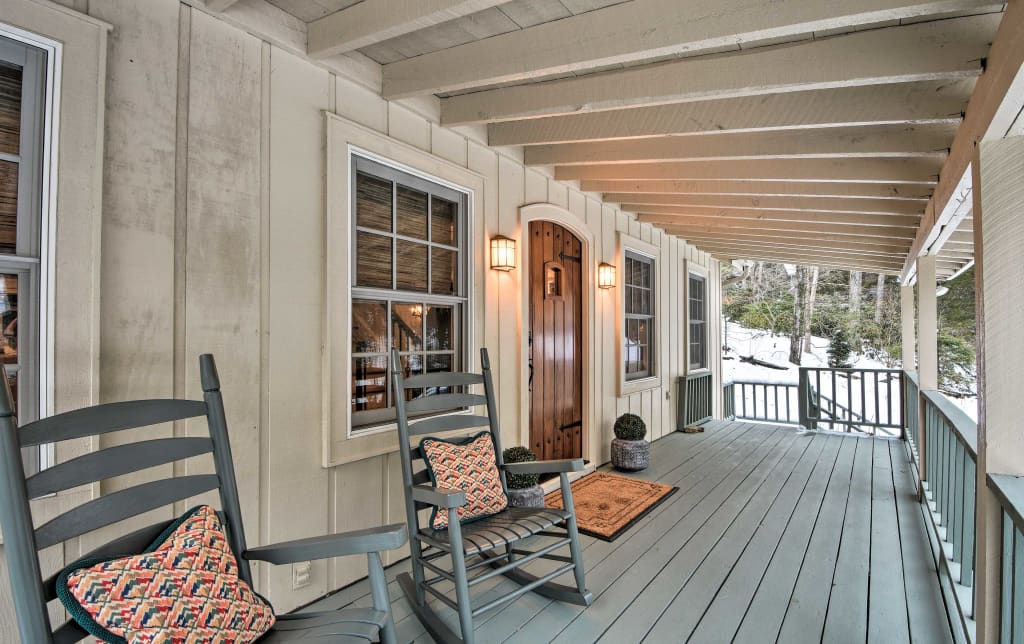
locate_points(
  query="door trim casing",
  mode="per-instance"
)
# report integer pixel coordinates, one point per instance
(558, 215)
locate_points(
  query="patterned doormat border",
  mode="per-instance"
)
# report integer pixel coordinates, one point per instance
(608, 504)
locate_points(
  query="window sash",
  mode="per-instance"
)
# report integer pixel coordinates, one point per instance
(368, 419)
(697, 324)
(639, 314)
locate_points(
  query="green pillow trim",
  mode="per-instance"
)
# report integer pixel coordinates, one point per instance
(82, 616)
(465, 440)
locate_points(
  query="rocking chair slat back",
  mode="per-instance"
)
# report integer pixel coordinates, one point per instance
(443, 379)
(444, 402)
(23, 542)
(440, 424)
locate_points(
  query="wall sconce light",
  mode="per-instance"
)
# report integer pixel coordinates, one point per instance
(503, 253)
(605, 275)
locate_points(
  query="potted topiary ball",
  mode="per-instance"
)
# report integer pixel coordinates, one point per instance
(524, 491)
(630, 452)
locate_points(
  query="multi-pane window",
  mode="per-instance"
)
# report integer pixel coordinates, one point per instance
(408, 286)
(698, 321)
(639, 320)
(22, 90)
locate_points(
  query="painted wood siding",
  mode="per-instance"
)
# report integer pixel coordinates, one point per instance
(212, 241)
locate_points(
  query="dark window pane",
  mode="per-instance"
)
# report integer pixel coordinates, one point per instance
(412, 365)
(412, 266)
(8, 207)
(369, 327)
(439, 328)
(407, 327)
(443, 271)
(373, 202)
(10, 108)
(9, 318)
(444, 217)
(369, 383)
(412, 213)
(373, 260)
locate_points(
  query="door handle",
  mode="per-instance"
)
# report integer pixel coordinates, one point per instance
(578, 423)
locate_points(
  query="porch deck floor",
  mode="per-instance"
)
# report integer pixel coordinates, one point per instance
(773, 536)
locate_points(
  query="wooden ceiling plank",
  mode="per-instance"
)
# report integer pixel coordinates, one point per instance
(888, 260)
(935, 102)
(880, 246)
(877, 141)
(997, 98)
(943, 49)
(807, 259)
(219, 5)
(914, 193)
(921, 171)
(715, 223)
(637, 31)
(672, 213)
(373, 21)
(761, 202)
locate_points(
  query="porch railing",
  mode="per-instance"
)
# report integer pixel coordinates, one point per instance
(770, 402)
(950, 456)
(910, 412)
(1009, 491)
(695, 399)
(863, 400)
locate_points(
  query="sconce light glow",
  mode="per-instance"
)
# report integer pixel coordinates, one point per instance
(503, 253)
(605, 275)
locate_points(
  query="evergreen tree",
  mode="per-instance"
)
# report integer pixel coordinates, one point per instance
(840, 348)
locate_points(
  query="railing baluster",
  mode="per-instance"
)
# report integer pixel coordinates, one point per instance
(1006, 609)
(956, 501)
(967, 568)
(1018, 586)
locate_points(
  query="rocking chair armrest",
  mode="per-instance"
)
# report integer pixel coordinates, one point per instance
(545, 467)
(328, 546)
(440, 497)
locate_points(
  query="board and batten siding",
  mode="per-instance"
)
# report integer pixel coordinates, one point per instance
(213, 240)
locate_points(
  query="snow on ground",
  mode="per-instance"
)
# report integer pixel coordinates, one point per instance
(763, 345)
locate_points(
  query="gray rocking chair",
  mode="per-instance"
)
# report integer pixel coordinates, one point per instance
(32, 593)
(487, 547)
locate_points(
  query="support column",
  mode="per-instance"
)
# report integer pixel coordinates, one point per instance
(927, 324)
(999, 276)
(909, 320)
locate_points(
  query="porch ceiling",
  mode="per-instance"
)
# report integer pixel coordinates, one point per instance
(806, 131)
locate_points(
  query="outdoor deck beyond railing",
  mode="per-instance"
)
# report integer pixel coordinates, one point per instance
(770, 402)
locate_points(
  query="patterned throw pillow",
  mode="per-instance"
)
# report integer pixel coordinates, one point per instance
(471, 467)
(184, 589)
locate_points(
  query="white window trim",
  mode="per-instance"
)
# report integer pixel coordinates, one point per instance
(640, 247)
(701, 271)
(346, 138)
(48, 222)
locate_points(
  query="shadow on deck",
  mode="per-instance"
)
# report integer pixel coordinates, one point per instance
(774, 536)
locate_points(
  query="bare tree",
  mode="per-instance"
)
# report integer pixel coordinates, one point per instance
(812, 295)
(856, 285)
(879, 298)
(799, 281)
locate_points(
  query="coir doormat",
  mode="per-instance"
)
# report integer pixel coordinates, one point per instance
(608, 504)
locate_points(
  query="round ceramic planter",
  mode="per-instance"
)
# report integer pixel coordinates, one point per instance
(630, 456)
(529, 497)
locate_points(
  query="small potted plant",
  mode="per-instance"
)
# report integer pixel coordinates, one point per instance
(630, 452)
(524, 491)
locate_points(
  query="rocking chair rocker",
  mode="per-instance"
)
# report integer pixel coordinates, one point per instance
(495, 545)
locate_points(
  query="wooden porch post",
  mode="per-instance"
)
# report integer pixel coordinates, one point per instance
(927, 350)
(999, 274)
(909, 319)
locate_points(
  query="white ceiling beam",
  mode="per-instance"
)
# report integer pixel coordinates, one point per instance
(674, 213)
(219, 5)
(782, 227)
(995, 104)
(921, 102)
(805, 258)
(941, 49)
(838, 241)
(914, 193)
(887, 251)
(837, 142)
(373, 21)
(920, 171)
(638, 31)
(888, 259)
(757, 202)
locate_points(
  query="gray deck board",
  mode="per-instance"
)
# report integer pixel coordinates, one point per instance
(773, 536)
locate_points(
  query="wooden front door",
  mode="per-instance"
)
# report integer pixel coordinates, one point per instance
(555, 341)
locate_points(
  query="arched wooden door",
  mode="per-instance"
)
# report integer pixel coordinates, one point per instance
(555, 341)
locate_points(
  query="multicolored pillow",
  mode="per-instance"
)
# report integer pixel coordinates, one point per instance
(470, 466)
(184, 589)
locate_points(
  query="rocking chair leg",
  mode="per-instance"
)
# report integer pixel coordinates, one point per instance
(574, 536)
(461, 582)
(379, 589)
(415, 553)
